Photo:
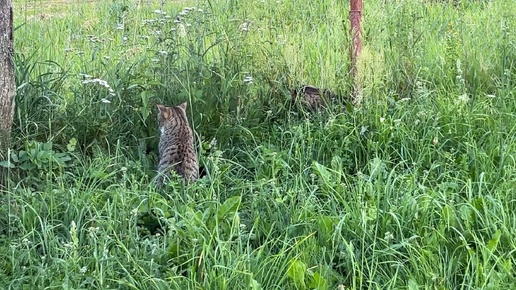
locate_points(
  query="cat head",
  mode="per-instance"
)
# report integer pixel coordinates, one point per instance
(170, 114)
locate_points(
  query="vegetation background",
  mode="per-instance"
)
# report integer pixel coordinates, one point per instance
(416, 189)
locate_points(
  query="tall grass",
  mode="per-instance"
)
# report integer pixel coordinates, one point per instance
(413, 190)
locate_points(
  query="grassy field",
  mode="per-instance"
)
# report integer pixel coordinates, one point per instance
(415, 189)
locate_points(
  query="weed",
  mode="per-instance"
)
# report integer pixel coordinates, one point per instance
(415, 189)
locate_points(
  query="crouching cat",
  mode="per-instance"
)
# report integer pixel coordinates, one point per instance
(176, 144)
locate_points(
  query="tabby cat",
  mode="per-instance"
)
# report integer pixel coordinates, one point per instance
(311, 97)
(176, 144)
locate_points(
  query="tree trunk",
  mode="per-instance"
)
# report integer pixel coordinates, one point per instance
(6, 77)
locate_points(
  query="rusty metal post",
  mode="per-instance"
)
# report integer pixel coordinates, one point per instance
(355, 18)
(7, 84)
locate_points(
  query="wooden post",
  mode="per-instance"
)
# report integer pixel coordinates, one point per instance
(355, 18)
(7, 85)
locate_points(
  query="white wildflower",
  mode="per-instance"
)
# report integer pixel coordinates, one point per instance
(98, 81)
(388, 236)
(363, 130)
(92, 231)
(244, 26)
(248, 80)
(463, 98)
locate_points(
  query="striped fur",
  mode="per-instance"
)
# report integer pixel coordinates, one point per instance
(176, 144)
(312, 98)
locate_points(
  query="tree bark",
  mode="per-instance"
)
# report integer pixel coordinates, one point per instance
(7, 84)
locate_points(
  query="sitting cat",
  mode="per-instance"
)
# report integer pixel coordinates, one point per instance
(176, 144)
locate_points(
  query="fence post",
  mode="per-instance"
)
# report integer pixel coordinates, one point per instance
(7, 84)
(355, 18)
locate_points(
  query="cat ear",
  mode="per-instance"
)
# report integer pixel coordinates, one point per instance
(164, 111)
(183, 106)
